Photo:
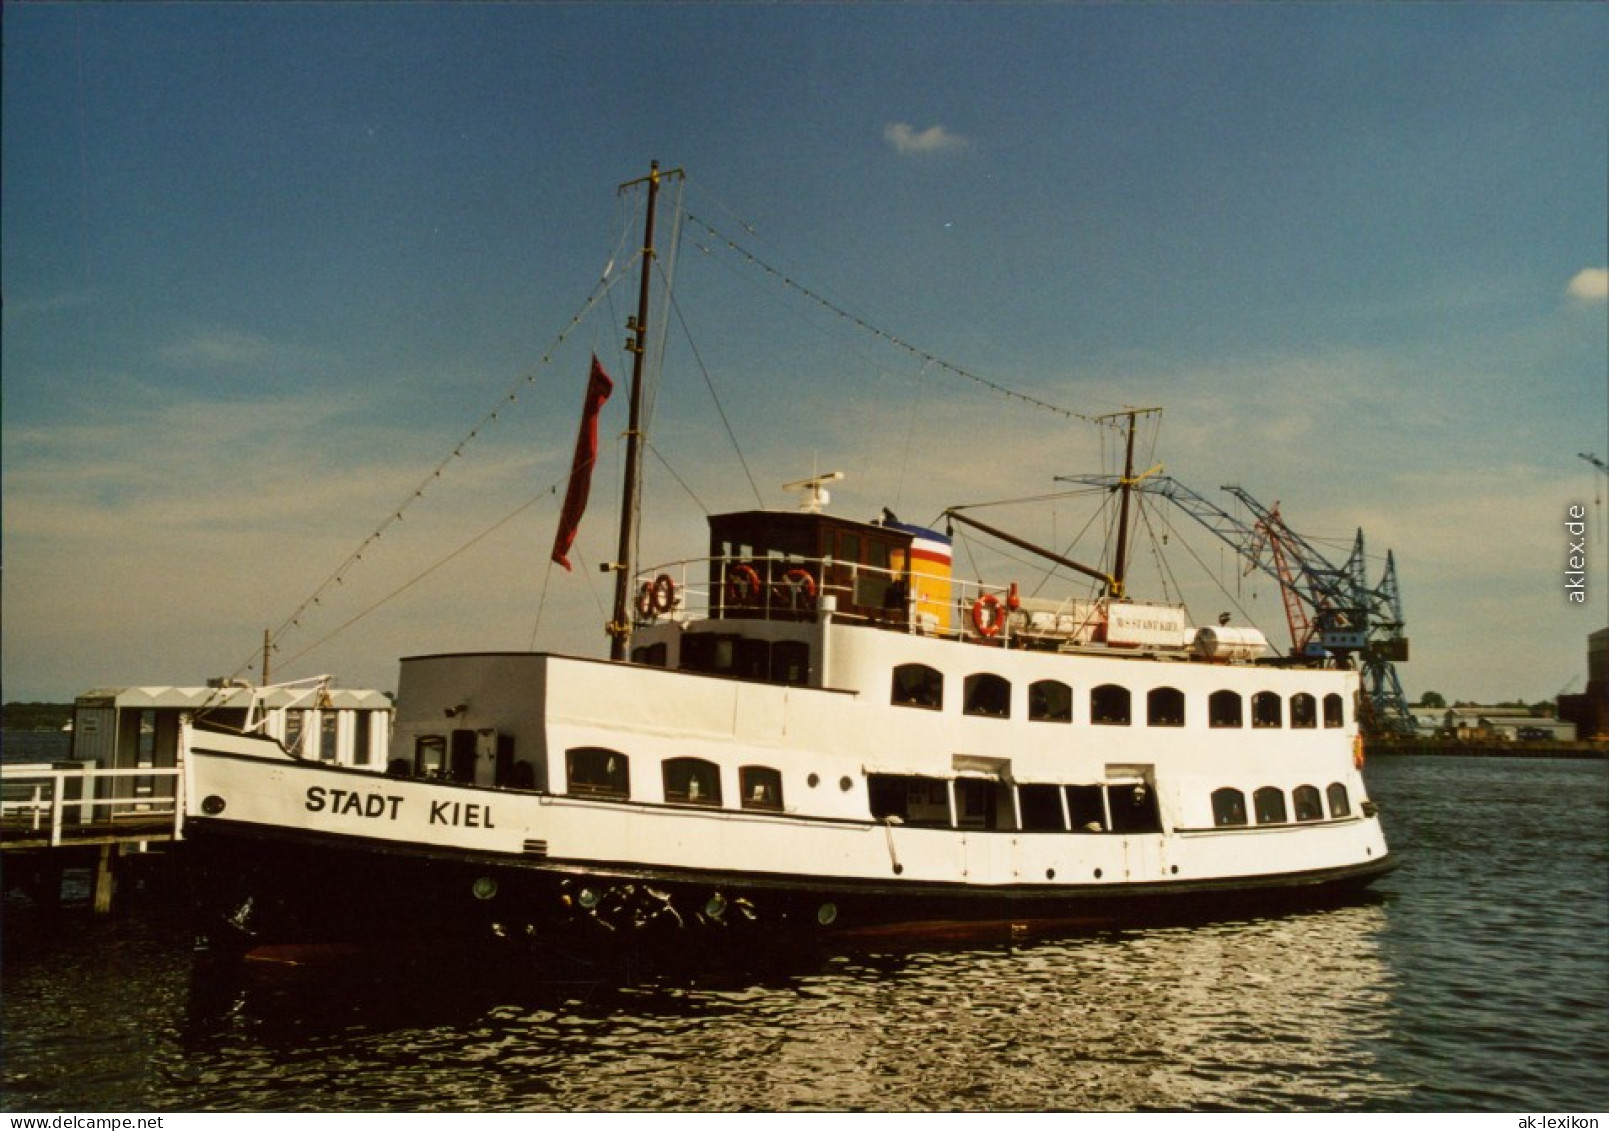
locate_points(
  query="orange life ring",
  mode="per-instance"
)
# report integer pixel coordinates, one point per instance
(1357, 751)
(645, 599)
(742, 584)
(663, 596)
(986, 616)
(796, 583)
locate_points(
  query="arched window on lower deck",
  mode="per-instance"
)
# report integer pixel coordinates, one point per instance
(1270, 803)
(593, 771)
(760, 787)
(1309, 805)
(1228, 807)
(692, 781)
(1340, 804)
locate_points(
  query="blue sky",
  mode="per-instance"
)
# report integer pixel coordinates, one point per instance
(266, 267)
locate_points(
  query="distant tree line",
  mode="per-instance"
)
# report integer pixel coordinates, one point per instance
(35, 716)
(1434, 700)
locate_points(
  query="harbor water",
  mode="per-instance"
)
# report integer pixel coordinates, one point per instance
(1476, 979)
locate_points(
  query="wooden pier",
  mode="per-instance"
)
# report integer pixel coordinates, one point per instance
(66, 816)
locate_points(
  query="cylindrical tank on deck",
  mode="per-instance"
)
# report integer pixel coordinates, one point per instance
(1226, 642)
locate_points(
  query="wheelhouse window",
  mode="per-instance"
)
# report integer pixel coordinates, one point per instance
(593, 771)
(1334, 710)
(654, 655)
(1041, 808)
(1164, 707)
(1109, 705)
(692, 781)
(1267, 710)
(1224, 709)
(987, 695)
(1340, 804)
(913, 800)
(760, 787)
(917, 685)
(790, 662)
(1270, 804)
(1050, 701)
(1228, 807)
(1086, 808)
(1304, 711)
(1309, 806)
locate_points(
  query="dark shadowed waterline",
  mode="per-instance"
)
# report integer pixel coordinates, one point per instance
(1476, 980)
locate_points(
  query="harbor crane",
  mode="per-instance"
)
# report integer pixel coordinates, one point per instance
(1331, 611)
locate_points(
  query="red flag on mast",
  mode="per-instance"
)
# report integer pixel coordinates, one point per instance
(586, 454)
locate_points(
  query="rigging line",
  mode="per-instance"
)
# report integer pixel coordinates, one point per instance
(665, 463)
(604, 286)
(910, 433)
(1218, 581)
(720, 411)
(828, 304)
(499, 524)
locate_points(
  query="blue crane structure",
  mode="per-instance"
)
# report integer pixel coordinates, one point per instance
(1332, 611)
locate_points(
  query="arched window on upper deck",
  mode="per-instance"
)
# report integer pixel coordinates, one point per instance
(1334, 710)
(1164, 707)
(1109, 705)
(1224, 709)
(917, 685)
(1050, 701)
(1267, 710)
(986, 694)
(1304, 711)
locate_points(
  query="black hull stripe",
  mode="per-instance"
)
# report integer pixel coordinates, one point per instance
(614, 870)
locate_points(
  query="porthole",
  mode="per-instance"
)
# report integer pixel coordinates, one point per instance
(845, 784)
(813, 780)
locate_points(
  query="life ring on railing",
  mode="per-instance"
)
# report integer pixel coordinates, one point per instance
(663, 595)
(986, 616)
(742, 585)
(1357, 751)
(645, 600)
(796, 583)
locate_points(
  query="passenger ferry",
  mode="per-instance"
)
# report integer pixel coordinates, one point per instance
(815, 727)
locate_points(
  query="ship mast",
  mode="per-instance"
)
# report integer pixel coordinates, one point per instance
(1118, 587)
(619, 628)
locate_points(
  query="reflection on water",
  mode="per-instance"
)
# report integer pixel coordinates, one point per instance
(1272, 1014)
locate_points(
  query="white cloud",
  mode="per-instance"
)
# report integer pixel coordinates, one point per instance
(906, 138)
(1591, 284)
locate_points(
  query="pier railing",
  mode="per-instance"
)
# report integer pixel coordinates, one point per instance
(67, 803)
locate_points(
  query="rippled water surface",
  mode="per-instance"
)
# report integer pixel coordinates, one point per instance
(1477, 980)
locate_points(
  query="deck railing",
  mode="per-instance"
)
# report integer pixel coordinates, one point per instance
(64, 802)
